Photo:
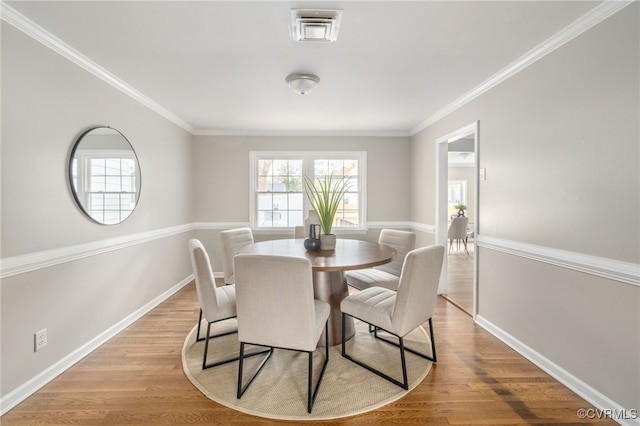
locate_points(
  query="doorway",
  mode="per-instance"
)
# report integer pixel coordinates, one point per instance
(457, 176)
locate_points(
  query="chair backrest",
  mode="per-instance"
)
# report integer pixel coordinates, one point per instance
(232, 240)
(299, 232)
(274, 300)
(402, 242)
(205, 282)
(458, 228)
(418, 288)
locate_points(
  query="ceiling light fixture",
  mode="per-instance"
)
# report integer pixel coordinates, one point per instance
(315, 24)
(302, 83)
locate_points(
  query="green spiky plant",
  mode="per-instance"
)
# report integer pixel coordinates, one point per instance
(325, 195)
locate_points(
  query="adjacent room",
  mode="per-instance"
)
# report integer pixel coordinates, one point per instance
(155, 154)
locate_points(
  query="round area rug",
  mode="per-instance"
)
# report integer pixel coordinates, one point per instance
(280, 390)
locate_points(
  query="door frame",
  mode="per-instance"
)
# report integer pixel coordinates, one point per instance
(442, 180)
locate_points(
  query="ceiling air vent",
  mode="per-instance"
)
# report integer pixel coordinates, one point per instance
(315, 24)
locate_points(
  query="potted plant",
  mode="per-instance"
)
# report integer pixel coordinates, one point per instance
(325, 195)
(461, 208)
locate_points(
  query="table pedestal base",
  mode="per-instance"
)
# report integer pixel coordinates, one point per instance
(331, 287)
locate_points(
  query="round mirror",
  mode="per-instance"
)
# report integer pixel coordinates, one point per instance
(104, 175)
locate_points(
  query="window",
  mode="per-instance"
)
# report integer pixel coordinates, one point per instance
(277, 196)
(109, 191)
(457, 195)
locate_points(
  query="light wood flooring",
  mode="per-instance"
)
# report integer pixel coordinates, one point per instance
(460, 277)
(136, 378)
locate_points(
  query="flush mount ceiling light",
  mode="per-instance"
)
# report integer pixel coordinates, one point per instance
(315, 24)
(302, 83)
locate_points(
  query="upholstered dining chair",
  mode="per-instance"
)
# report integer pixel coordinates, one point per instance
(232, 240)
(387, 275)
(398, 313)
(276, 309)
(216, 303)
(458, 232)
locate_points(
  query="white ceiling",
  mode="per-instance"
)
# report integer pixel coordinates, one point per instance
(220, 66)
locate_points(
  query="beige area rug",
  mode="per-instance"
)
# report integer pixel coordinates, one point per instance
(280, 390)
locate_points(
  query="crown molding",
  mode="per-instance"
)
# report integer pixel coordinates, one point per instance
(30, 28)
(325, 133)
(582, 24)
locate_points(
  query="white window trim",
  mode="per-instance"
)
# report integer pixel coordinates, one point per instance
(307, 157)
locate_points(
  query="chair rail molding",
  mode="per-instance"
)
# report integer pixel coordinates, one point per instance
(422, 227)
(32, 261)
(625, 272)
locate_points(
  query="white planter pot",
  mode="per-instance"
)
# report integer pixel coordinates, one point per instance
(327, 241)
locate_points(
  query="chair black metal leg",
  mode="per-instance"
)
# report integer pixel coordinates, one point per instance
(405, 383)
(420, 354)
(242, 389)
(344, 352)
(198, 338)
(206, 349)
(312, 396)
(206, 345)
(309, 380)
(405, 380)
(433, 342)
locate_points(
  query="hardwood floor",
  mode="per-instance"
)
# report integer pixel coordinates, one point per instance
(460, 277)
(137, 378)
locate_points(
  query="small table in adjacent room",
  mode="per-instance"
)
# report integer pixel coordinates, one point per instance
(328, 268)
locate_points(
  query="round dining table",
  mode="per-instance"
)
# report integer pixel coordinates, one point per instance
(328, 268)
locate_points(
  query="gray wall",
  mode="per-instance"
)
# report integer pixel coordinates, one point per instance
(47, 102)
(221, 170)
(560, 144)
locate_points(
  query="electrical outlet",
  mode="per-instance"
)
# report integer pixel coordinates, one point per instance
(39, 339)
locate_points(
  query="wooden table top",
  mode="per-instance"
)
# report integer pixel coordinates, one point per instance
(348, 254)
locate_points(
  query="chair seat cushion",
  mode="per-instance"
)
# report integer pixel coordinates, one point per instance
(365, 278)
(373, 305)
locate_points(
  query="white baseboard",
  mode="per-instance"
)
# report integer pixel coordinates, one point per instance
(597, 399)
(28, 388)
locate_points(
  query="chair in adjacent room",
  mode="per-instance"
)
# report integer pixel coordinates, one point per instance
(458, 232)
(216, 303)
(232, 240)
(399, 313)
(387, 275)
(276, 309)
